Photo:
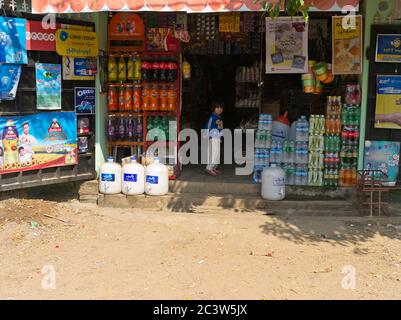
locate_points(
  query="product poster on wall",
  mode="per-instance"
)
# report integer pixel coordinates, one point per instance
(85, 100)
(9, 75)
(37, 141)
(384, 156)
(388, 48)
(388, 102)
(286, 45)
(13, 40)
(79, 68)
(48, 86)
(347, 45)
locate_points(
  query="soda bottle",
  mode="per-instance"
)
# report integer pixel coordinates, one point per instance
(112, 69)
(146, 69)
(172, 71)
(139, 129)
(130, 69)
(129, 129)
(121, 129)
(121, 99)
(122, 70)
(163, 65)
(111, 130)
(137, 65)
(112, 99)
(155, 71)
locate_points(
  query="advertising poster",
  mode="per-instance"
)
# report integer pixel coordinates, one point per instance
(347, 45)
(388, 48)
(39, 38)
(162, 39)
(76, 43)
(286, 45)
(79, 68)
(85, 100)
(384, 156)
(388, 102)
(9, 79)
(37, 141)
(13, 40)
(48, 86)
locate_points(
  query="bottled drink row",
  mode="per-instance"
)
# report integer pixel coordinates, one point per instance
(130, 128)
(148, 97)
(134, 68)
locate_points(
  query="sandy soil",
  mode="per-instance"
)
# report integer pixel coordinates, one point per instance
(131, 254)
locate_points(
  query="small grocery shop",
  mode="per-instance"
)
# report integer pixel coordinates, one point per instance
(162, 63)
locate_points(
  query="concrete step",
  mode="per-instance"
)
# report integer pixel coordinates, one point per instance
(230, 188)
(197, 202)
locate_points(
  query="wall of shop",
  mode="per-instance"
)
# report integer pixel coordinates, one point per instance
(100, 19)
(369, 10)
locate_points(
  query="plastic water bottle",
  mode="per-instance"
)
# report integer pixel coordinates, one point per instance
(269, 122)
(298, 178)
(298, 130)
(273, 152)
(305, 129)
(279, 152)
(267, 139)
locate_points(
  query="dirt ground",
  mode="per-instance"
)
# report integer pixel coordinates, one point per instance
(100, 253)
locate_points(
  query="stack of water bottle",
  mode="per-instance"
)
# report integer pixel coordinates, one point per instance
(316, 148)
(289, 161)
(301, 151)
(349, 144)
(332, 141)
(263, 145)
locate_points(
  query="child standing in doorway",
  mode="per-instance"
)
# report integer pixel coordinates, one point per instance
(214, 126)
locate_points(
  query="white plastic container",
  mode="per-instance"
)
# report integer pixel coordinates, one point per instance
(110, 177)
(273, 183)
(156, 183)
(133, 178)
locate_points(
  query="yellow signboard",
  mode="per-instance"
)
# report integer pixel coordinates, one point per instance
(76, 43)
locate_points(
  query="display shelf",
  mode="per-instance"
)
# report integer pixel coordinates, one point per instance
(126, 113)
(123, 84)
(160, 113)
(127, 51)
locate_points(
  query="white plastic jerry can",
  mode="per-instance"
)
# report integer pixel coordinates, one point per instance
(133, 178)
(156, 183)
(110, 177)
(273, 183)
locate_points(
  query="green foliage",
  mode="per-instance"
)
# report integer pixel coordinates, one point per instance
(291, 8)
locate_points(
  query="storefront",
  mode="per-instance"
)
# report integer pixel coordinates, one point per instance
(228, 55)
(46, 110)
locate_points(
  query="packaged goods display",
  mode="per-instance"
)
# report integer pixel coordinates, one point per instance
(263, 146)
(332, 141)
(323, 152)
(316, 149)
